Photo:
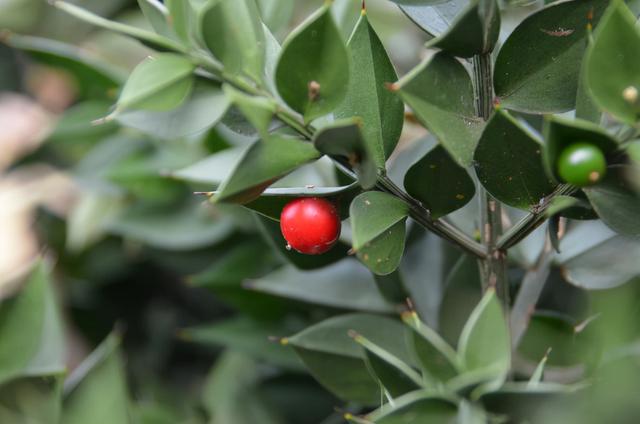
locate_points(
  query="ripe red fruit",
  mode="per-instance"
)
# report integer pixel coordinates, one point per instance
(311, 225)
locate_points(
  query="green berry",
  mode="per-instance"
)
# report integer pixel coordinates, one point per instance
(582, 164)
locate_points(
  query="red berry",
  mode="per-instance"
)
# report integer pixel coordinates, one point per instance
(311, 225)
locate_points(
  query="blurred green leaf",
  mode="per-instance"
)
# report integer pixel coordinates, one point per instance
(159, 84)
(230, 393)
(337, 362)
(595, 258)
(312, 74)
(259, 340)
(522, 403)
(213, 169)
(97, 391)
(440, 92)
(613, 63)
(31, 400)
(556, 334)
(96, 79)
(538, 66)
(232, 31)
(263, 163)
(276, 14)
(378, 225)
(438, 360)
(147, 38)
(474, 31)
(381, 111)
(157, 15)
(181, 16)
(202, 110)
(462, 292)
(486, 322)
(509, 163)
(30, 324)
(395, 376)
(415, 408)
(439, 182)
(189, 226)
(345, 284)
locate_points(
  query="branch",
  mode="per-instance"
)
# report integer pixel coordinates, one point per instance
(533, 220)
(418, 212)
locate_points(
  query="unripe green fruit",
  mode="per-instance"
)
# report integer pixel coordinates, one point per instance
(582, 164)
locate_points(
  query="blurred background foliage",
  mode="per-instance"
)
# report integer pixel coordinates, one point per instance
(200, 296)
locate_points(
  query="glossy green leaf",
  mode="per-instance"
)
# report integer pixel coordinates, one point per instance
(439, 183)
(595, 258)
(474, 31)
(148, 38)
(345, 284)
(440, 92)
(245, 335)
(273, 200)
(30, 325)
(190, 226)
(159, 83)
(508, 161)
(232, 31)
(484, 343)
(259, 111)
(586, 108)
(433, 17)
(29, 400)
(96, 79)
(395, 376)
(438, 360)
(381, 111)
(338, 363)
(538, 66)
(416, 408)
(96, 391)
(378, 225)
(613, 63)
(616, 203)
(312, 74)
(263, 163)
(201, 111)
(272, 53)
(345, 138)
(559, 133)
(271, 232)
